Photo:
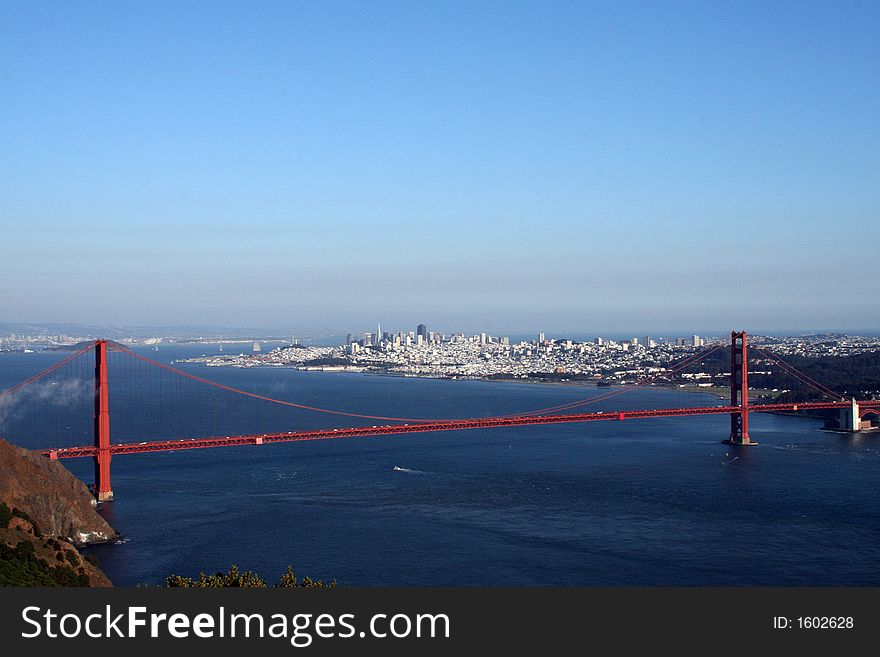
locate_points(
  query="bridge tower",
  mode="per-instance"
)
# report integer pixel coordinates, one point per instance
(739, 389)
(103, 491)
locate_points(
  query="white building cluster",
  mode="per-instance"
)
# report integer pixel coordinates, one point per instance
(480, 355)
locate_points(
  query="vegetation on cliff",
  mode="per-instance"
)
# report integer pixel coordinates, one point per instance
(29, 558)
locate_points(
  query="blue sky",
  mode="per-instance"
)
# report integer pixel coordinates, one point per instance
(604, 166)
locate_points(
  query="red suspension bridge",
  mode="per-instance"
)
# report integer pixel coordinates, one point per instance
(83, 378)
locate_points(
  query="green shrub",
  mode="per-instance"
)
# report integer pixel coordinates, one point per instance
(5, 515)
(20, 567)
(237, 579)
(289, 581)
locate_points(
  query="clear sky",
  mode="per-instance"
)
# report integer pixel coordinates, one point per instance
(580, 166)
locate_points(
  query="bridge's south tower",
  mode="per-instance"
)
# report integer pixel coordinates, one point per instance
(739, 389)
(103, 491)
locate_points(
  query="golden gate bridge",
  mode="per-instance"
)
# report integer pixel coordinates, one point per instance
(84, 376)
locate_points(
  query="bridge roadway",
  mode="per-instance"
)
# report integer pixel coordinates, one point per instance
(434, 425)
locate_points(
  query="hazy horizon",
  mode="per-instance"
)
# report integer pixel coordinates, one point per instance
(357, 331)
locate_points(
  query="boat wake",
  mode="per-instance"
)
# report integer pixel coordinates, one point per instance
(409, 470)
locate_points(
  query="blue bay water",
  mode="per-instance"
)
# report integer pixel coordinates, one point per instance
(643, 502)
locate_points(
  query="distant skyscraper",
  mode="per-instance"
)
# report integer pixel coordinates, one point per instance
(541, 337)
(349, 338)
(422, 330)
(696, 341)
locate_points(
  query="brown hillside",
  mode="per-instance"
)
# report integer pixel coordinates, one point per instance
(59, 503)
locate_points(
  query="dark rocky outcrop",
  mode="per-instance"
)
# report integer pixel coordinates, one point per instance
(59, 504)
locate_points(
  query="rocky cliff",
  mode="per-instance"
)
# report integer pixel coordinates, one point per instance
(58, 503)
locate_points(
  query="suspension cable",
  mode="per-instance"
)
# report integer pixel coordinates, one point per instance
(791, 369)
(608, 395)
(48, 370)
(263, 397)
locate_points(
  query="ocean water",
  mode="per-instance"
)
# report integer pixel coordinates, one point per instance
(642, 502)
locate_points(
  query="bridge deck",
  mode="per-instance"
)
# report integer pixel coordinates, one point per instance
(439, 425)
